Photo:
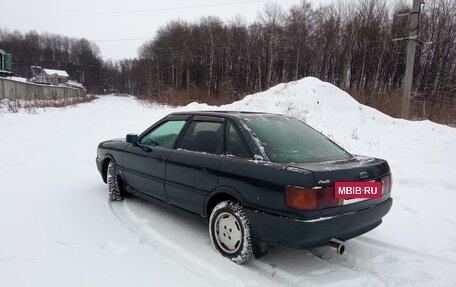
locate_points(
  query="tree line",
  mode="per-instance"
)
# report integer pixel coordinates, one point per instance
(79, 57)
(348, 44)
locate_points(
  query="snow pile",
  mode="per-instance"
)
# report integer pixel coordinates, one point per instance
(421, 155)
(58, 229)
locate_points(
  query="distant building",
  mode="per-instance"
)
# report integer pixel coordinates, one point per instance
(49, 76)
(5, 64)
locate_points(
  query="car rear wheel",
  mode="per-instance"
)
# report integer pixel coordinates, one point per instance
(229, 230)
(114, 187)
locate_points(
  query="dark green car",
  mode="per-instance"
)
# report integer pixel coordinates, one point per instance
(260, 179)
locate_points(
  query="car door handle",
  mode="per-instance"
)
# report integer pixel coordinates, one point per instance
(208, 167)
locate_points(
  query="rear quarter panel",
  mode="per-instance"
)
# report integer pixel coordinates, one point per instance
(261, 184)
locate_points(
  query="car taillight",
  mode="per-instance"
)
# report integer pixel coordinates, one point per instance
(387, 183)
(310, 198)
(301, 198)
(330, 197)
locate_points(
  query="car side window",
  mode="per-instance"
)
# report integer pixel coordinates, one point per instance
(234, 144)
(164, 135)
(204, 136)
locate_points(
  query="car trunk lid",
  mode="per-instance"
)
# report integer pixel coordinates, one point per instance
(357, 168)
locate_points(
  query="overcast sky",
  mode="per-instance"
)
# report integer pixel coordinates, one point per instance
(101, 20)
(119, 27)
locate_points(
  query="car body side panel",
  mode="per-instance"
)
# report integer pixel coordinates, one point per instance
(145, 170)
(261, 183)
(112, 149)
(189, 180)
(190, 176)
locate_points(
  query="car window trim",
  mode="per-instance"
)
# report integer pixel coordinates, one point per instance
(212, 119)
(179, 117)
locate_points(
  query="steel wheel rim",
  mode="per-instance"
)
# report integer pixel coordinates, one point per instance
(228, 232)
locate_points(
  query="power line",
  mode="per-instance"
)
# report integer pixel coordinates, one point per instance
(121, 40)
(133, 11)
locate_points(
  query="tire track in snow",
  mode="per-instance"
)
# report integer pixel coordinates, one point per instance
(310, 268)
(148, 236)
(166, 232)
(386, 245)
(199, 264)
(280, 267)
(389, 264)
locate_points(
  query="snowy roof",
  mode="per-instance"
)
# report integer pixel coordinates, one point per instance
(59, 73)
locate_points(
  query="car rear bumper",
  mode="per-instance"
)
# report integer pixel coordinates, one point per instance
(301, 234)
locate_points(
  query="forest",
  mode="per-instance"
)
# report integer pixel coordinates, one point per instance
(349, 44)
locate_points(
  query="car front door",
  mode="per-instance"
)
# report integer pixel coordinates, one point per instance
(145, 162)
(192, 169)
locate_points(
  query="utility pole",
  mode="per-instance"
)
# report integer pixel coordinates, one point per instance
(411, 50)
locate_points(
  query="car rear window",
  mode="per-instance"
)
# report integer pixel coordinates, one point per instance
(288, 140)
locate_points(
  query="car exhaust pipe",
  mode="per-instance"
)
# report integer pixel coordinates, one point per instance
(337, 245)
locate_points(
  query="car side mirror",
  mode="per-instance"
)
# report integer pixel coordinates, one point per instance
(132, 138)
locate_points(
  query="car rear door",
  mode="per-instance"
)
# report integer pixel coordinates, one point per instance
(145, 162)
(192, 169)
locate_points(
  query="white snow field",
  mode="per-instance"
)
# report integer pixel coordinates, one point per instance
(57, 227)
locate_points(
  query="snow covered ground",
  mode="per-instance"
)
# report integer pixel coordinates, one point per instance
(57, 227)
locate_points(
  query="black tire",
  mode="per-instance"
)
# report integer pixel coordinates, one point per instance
(114, 186)
(229, 230)
(259, 249)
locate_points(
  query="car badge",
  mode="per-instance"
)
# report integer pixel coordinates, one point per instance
(324, 181)
(363, 175)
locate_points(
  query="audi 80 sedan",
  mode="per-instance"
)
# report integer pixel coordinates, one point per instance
(259, 179)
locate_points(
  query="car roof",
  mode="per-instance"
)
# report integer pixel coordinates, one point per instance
(226, 114)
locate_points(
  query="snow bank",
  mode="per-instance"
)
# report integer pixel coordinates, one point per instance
(422, 156)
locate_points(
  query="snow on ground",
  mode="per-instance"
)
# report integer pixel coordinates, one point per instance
(57, 227)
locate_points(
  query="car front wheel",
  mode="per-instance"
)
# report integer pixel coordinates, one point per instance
(229, 230)
(114, 188)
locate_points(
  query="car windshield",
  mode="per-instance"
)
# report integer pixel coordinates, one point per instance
(288, 140)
